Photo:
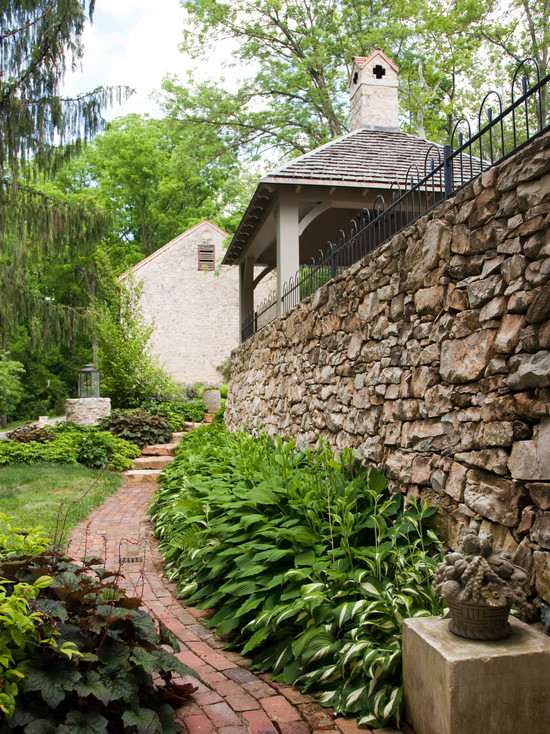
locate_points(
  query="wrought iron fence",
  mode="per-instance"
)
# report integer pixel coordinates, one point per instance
(446, 170)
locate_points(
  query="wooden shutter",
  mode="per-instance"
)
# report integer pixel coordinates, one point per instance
(206, 256)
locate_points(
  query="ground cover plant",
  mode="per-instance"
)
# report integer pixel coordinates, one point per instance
(138, 426)
(70, 444)
(307, 561)
(40, 493)
(77, 655)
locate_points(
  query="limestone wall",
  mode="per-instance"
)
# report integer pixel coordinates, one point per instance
(194, 314)
(432, 359)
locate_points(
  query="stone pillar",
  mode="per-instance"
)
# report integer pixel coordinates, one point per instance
(246, 294)
(457, 686)
(87, 411)
(288, 250)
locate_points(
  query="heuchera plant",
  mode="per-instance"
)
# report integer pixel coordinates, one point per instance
(95, 662)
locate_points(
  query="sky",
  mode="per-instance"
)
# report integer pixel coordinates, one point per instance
(134, 43)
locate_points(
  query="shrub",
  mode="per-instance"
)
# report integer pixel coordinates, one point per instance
(65, 448)
(16, 541)
(138, 427)
(28, 433)
(131, 376)
(94, 452)
(11, 389)
(21, 628)
(110, 669)
(307, 560)
(178, 412)
(20, 634)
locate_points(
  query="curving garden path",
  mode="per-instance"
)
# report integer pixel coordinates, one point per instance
(230, 698)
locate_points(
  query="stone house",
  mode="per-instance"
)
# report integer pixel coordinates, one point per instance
(192, 301)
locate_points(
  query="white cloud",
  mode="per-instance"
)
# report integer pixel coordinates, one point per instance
(134, 43)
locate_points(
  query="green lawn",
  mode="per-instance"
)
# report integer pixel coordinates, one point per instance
(35, 495)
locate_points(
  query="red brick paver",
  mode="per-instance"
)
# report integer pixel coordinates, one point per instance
(230, 698)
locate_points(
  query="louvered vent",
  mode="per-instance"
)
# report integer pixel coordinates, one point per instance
(206, 256)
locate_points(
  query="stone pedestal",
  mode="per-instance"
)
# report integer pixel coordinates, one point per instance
(87, 411)
(212, 399)
(456, 686)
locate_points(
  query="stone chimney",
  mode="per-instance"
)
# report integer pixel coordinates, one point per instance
(373, 89)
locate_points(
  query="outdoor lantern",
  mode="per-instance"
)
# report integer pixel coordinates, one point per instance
(88, 382)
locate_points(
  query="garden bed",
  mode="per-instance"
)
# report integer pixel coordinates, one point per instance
(308, 563)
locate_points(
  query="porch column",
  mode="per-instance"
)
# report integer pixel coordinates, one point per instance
(288, 250)
(246, 297)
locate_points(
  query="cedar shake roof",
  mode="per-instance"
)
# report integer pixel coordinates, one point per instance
(363, 157)
(366, 158)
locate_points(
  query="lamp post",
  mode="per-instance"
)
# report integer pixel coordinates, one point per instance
(88, 382)
(89, 407)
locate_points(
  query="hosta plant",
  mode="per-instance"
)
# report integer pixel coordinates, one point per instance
(307, 560)
(110, 669)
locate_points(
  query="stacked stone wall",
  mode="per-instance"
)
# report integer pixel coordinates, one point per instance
(431, 358)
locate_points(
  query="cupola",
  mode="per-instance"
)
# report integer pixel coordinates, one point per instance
(373, 88)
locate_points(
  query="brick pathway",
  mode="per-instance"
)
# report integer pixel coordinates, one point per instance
(230, 699)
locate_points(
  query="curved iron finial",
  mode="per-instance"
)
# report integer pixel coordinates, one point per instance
(524, 88)
(490, 94)
(525, 79)
(411, 183)
(428, 159)
(379, 205)
(455, 130)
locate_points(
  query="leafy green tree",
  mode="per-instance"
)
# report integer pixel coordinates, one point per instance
(130, 375)
(42, 236)
(11, 390)
(300, 52)
(157, 178)
(521, 30)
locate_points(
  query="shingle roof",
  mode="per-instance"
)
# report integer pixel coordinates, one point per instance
(362, 157)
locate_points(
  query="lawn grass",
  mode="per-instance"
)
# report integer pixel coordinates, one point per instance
(34, 494)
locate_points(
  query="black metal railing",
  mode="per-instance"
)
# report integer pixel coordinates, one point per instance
(446, 170)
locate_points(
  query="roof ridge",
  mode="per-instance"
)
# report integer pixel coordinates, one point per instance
(164, 248)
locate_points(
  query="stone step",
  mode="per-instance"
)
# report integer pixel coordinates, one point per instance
(152, 462)
(160, 449)
(142, 475)
(190, 426)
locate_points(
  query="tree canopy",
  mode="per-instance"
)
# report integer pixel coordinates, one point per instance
(156, 178)
(299, 54)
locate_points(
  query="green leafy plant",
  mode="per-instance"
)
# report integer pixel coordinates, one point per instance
(94, 452)
(20, 633)
(31, 432)
(138, 427)
(307, 560)
(72, 444)
(131, 376)
(178, 412)
(16, 541)
(110, 669)
(11, 389)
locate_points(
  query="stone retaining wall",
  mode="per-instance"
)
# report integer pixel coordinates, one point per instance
(432, 358)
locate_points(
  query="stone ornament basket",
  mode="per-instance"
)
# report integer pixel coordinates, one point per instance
(480, 585)
(479, 622)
